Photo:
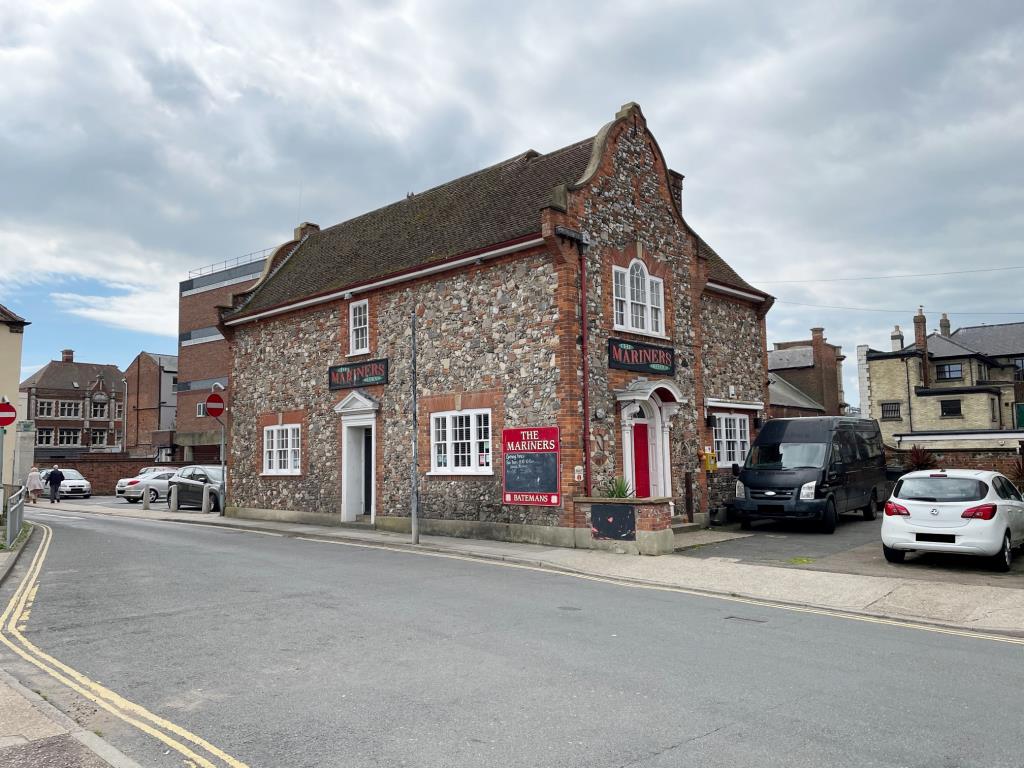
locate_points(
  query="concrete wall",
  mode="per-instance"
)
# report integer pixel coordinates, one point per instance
(10, 371)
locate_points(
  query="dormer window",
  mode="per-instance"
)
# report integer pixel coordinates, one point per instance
(359, 327)
(639, 300)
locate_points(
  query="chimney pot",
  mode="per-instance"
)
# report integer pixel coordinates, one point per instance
(67, 355)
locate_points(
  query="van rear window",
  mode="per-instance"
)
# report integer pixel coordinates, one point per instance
(940, 489)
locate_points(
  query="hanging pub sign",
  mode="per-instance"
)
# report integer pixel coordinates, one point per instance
(640, 357)
(531, 456)
(362, 374)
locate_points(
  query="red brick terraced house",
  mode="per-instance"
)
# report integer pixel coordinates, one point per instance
(561, 290)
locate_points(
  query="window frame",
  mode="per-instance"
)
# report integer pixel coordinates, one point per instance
(959, 409)
(201, 409)
(101, 404)
(353, 348)
(61, 433)
(727, 449)
(118, 410)
(1018, 369)
(446, 438)
(48, 431)
(651, 303)
(77, 409)
(891, 404)
(48, 414)
(291, 448)
(92, 437)
(947, 367)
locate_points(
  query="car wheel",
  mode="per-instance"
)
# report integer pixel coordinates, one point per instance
(871, 510)
(87, 496)
(745, 525)
(828, 519)
(1002, 560)
(214, 503)
(132, 501)
(153, 495)
(894, 555)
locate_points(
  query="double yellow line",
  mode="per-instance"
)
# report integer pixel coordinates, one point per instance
(194, 748)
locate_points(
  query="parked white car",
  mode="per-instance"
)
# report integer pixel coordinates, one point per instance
(73, 484)
(962, 511)
(153, 483)
(124, 481)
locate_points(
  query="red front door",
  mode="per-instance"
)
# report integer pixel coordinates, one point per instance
(641, 461)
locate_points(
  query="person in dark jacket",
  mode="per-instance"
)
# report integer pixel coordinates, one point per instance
(54, 479)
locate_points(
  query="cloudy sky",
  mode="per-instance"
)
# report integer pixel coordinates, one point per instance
(819, 140)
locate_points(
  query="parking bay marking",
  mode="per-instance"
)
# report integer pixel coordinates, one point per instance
(128, 711)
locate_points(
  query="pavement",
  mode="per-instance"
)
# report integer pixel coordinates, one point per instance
(315, 652)
(896, 592)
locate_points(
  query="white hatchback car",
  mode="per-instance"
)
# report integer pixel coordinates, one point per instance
(961, 511)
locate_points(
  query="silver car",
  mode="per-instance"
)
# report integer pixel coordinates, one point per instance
(153, 483)
(73, 484)
(123, 482)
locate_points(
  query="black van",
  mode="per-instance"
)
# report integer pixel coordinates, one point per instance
(812, 469)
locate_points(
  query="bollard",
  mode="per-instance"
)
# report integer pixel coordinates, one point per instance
(174, 498)
(145, 498)
(206, 499)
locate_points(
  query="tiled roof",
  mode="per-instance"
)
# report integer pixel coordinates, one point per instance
(992, 340)
(781, 392)
(60, 375)
(790, 357)
(496, 205)
(6, 316)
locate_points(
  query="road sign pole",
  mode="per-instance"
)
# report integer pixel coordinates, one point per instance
(3, 496)
(223, 474)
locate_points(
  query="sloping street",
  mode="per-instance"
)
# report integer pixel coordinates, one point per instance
(286, 652)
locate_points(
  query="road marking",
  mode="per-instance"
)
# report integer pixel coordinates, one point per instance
(262, 533)
(833, 613)
(53, 514)
(11, 624)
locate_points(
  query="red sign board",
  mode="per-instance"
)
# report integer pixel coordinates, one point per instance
(214, 405)
(7, 414)
(531, 466)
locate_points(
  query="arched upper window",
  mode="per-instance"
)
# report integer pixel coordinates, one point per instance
(639, 300)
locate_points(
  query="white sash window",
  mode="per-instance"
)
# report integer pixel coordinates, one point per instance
(460, 442)
(639, 300)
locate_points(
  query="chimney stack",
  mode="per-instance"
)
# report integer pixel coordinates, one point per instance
(921, 342)
(306, 228)
(67, 355)
(897, 339)
(944, 325)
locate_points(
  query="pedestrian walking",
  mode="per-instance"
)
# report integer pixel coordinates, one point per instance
(54, 479)
(34, 484)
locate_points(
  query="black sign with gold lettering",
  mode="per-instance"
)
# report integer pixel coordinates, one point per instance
(364, 374)
(643, 358)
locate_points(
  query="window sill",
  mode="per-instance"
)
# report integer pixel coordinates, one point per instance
(449, 473)
(648, 334)
(280, 474)
(358, 353)
(955, 416)
(891, 418)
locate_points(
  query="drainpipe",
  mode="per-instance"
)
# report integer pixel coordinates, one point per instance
(910, 403)
(582, 243)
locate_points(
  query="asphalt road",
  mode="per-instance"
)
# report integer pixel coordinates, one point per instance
(292, 653)
(855, 547)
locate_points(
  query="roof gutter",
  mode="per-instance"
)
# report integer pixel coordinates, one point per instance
(719, 288)
(388, 281)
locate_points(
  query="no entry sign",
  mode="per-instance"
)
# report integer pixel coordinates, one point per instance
(214, 405)
(531, 457)
(7, 414)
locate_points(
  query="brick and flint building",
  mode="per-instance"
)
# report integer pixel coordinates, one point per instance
(562, 296)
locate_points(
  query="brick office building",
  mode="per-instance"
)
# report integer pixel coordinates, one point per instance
(150, 383)
(204, 359)
(669, 339)
(814, 368)
(76, 408)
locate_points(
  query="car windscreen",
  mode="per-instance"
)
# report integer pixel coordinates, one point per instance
(72, 474)
(786, 455)
(940, 489)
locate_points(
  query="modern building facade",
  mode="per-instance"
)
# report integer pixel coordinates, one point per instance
(952, 389)
(150, 385)
(204, 359)
(76, 408)
(562, 304)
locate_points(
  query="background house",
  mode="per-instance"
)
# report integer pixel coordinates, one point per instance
(150, 383)
(813, 370)
(76, 408)
(951, 389)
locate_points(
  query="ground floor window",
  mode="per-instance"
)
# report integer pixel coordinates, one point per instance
(69, 436)
(460, 442)
(99, 437)
(732, 438)
(44, 436)
(950, 407)
(890, 410)
(282, 450)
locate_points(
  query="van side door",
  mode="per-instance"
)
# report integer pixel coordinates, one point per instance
(835, 474)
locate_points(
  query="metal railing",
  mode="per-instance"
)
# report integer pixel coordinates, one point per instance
(15, 516)
(220, 266)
